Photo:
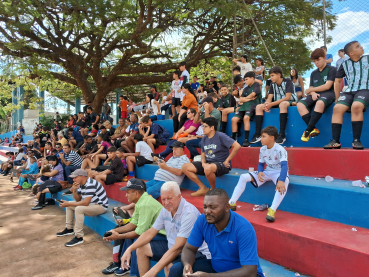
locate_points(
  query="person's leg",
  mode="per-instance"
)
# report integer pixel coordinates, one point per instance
(100, 178)
(283, 117)
(153, 188)
(317, 114)
(81, 212)
(190, 171)
(192, 146)
(337, 120)
(98, 158)
(131, 161)
(167, 150)
(210, 170)
(304, 112)
(278, 197)
(182, 121)
(240, 188)
(151, 142)
(259, 116)
(225, 113)
(235, 121)
(87, 163)
(144, 253)
(69, 224)
(130, 143)
(246, 123)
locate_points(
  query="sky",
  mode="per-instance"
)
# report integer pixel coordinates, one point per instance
(352, 24)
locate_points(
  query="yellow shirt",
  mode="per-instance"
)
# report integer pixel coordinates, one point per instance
(63, 141)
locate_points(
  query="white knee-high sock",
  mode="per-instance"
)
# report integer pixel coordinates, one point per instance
(278, 197)
(239, 189)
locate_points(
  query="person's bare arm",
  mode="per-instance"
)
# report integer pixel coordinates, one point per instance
(286, 98)
(301, 81)
(337, 87)
(235, 148)
(236, 60)
(175, 171)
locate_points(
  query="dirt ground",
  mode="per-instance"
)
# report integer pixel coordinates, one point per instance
(29, 246)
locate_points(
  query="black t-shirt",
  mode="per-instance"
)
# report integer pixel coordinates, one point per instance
(215, 85)
(268, 82)
(116, 167)
(43, 138)
(81, 123)
(92, 118)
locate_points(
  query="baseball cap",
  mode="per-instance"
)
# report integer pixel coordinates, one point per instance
(134, 183)
(78, 172)
(208, 99)
(177, 144)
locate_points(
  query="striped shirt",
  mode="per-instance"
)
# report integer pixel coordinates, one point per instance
(94, 189)
(357, 74)
(74, 158)
(280, 92)
(174, 162)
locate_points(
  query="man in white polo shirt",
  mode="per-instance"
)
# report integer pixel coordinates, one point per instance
(177, 218)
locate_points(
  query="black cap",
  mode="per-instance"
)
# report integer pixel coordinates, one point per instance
(208, 99)
(177, 144)
(134, 183)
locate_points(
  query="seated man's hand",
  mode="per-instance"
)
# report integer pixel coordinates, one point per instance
(162, 164)
(63, 203)
(261, 176)
(281, 187)
(114, 236)
(226, 164)
(126, 258)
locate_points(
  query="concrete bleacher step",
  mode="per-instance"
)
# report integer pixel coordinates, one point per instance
(336, 201)
(309, 245)
(102, 223)
(346, 164)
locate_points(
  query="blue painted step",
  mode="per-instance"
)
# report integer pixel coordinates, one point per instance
(102, 223)
(295, 128)
(336, 201)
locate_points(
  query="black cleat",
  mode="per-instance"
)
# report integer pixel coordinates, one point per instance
(333, 145)
(255, 139)
(356, 144)
(281, 139)
(246, 143)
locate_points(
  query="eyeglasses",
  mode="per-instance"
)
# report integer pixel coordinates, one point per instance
(188, 112)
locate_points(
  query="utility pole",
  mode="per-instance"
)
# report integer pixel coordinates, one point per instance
(324, 25)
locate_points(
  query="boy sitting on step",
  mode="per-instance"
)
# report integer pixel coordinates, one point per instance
(275, 156)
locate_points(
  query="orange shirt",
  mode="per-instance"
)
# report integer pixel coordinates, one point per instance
(189, 101)
(123, 105)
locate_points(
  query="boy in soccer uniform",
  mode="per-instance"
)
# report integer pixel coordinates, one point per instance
(356, 96)
(275, 157)
(281, 95)
(176, 93)
(250, 98)
(320, 94)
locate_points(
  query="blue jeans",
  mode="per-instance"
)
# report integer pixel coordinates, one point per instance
(203, 265)
(167, 150)
(153, 188)
(104, 116)
(68, 170)
(167, 106)
(192, 145)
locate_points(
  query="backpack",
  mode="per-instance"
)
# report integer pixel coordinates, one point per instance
(163, 133)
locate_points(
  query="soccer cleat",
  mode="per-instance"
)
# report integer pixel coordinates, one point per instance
(233, 207)
(255, 139)
(356, 144)
(271, 215)
(65, 232)
(333, 145)
(246, 143)
(127, 178)
(314, 133)
(111, 268)
(281, 139)
(121, 272)
(305, 136)
(74, 241)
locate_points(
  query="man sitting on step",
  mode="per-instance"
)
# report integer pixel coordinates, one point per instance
(146, 211)
(177, 218)
(215, 156)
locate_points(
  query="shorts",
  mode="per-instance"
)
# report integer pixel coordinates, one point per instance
(259, 77)
(327, 97)
(141, 160)
(221, 169)
(176, 101)
(18, 162)
(158, 142)
(53, 186)
(249, 112)
(123, 114)
(347, 98)
(298, 89)
(270, 175)
(111, 179)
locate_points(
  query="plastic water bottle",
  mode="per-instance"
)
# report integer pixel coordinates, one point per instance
(329, 178)
(251, 169)
(357, 183)
(261, 207)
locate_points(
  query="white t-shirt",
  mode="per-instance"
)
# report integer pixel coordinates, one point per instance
(184, 79)
(144, 150)
(273, 157)
(164, 100)
(19, 156)
(245, 67)
(154, 107)
(176, 87)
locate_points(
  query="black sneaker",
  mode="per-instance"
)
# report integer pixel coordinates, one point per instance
(333, 145)
(67, 192)
(111, 268)
(65, 232)
(75, 241)
(255, 139)
(246, 143)
(281, 139)
(356, 144)
(37, 207)
(122, 272)
(155, 155)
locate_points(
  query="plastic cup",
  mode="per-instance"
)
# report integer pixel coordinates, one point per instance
(251, 169)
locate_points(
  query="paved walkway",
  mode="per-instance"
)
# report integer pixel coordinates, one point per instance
(30, 248)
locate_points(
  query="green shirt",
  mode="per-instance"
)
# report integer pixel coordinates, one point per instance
(214, 113)
(146, 211)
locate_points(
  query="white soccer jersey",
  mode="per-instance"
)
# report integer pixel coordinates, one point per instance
(273, 157)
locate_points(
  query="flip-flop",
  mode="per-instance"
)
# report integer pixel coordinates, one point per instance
(121, 213)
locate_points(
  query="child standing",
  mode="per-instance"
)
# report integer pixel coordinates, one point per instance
(176, 93)
(275, 156)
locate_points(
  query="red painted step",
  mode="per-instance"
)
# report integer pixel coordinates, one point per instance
(346, 164)
(310, 246)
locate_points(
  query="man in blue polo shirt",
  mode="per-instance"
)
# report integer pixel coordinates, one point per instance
(231, 240)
